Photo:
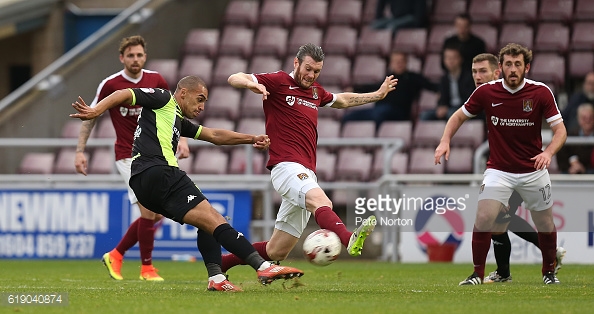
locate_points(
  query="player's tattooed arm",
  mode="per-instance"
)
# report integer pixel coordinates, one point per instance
(345, 100)
(83, 135)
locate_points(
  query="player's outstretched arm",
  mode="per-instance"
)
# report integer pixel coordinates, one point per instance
(345, 100)
(80, 160)
(243, 80)
(86, 113)
(543, 160)
(226, 137)
(451, 128)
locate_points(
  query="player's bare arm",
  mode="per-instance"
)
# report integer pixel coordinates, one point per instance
(227, 137)
(451, 128)
(543, 160)
(345, 100)
(243, 80)
(86, 113)
(80, 160)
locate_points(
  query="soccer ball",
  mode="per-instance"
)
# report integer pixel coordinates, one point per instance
(322, 247)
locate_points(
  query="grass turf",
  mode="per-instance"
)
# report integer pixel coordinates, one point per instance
(343, 287)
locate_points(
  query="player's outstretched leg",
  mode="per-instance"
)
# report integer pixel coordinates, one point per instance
(360, 234)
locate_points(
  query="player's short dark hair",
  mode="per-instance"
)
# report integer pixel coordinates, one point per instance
(190, 82)
(513, 49)
(464, 16)
(132, 41)
(491, 58)
(315, 52)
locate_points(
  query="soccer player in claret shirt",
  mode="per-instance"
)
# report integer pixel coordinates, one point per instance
(124, 118)
(514, 107)
(291, 102)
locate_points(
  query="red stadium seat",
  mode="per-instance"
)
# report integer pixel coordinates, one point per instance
(414, 64)
(167, 68)
(340, 40)
(236, 41)
(372, 41)
(368, 11)
(486, 11)
(470, 134)
(105, 129)
(428, 100)
(251, 105)
(548, 68)
(422, 161)
(302, 35)
(524, 11)
(325, 166)
(580, 63)
(264, 64)
(358, 129)
(552, 37)
(65, 161)
(337, 71)
(368, 70)
(353, 165)
(238, 162)
(584, 10)
(556, 10)
(70, 129)
(251, 126)
(185, 164)
(460, 161)
(271, 40)
(583, 36)
(516, 33)
(437, 36)
(432, 68)
(219, 123)
(196, 65)
(227, 66)
(446, 10)
(210, 161)
(328, 128)
(241, 12)
(396, 129)
(277, 12)
(428, 133)
(223, 101)
(102, 162)
(398, 164)
(308, 12)
(345, 12)
(413, 41)
(37, 163)
(489, 34)
(202, 41)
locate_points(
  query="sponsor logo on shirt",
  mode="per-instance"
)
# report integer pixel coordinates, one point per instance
(290, 100)
(125, 111)
(494, 120)
(511, 122)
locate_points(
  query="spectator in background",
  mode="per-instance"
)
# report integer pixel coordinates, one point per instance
(398, 104)
(404, 14)
(577, 159)
(469, 44)
(455, 87)
(585, 96)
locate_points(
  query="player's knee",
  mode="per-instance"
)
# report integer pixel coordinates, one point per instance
(483, 221)
(315, 199)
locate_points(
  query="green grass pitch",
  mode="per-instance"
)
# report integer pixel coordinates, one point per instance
(346, 286)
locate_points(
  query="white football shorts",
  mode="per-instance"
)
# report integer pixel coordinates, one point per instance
(533, 187)
(124, 168)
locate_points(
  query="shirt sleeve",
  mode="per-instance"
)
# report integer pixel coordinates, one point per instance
(327, 98)
(153, 98)
(189, 129)
(269, 80)
(472, 106)
(551, 111)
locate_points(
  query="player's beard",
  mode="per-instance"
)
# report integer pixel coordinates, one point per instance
(519, 79)
(300, 81)
(134, 68)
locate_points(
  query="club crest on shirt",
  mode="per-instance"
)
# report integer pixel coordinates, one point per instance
(495, 120)
(527, 105)
(302, 176)
(290, 100)
(314, 91)
(123, 111)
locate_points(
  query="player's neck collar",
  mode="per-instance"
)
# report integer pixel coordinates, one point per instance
(131, 79)
(513, 91)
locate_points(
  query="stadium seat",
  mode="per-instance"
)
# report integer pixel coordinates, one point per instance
(328, 128)
(414, 64)
(70, 129)
(238, 162)
(264, 64)
(516, 33)
(422, 161)
(583, 36)
(470, 134)
(340, 40)
(223, 101)
(437, 36)
(524, 11)
(277, 12)
(358, 129)
(241, 12)
(102, 161)
(428, 133)
(552, 37)
(460, 161)
(337, 71)
(210, 161)
(428, 100)
(368, 13)
(368, 70)
(398, 164)
(432, 68)
(37, 163)
(489, 34)
(251, 126)
(548, 68)
(219, 123)
(446, 10)
(196, 65)
(185, 164)
(372, 41)
(105, 128)
(345, 12)
(202, 41)
(225, 67)
(64, 163)
(580, 63)
(167, 68)
(301, 35)
(288, 66)
(331, 113)
(271, 40)
(325, 166)
(353, 165)
(396, 129)
(251, 105)
(485, 11)
(311, 12)
(584, 10)
(236, 41)
(556, 10)
(413, 41)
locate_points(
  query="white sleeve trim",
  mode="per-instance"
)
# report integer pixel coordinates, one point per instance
(254, 78)
(468, 114)
(334, 97)
(556, 119)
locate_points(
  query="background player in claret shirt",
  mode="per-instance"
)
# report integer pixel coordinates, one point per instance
(485, 68)
(165, 189)
(124, 118)
(291, 102)
(514, 109)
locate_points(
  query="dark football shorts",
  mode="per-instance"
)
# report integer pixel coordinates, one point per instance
(167, 191)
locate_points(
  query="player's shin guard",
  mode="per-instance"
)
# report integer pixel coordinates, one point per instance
(326, 218)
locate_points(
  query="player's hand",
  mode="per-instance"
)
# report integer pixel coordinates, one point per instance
(84, 112)
(259, 89)
(183, 150)
(442, 149)
(388, 85)
(542, 160)
(80, 163)
(262, 142)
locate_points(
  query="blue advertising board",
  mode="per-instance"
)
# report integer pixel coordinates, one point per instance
(81, 224)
